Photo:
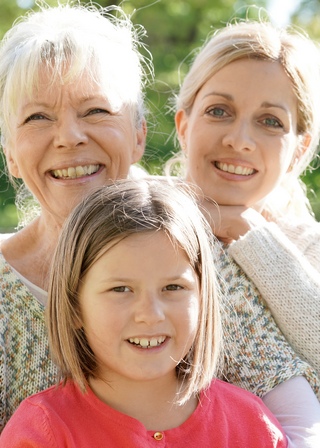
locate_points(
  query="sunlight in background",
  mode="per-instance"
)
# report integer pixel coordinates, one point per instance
(25, 4)
(281, 10)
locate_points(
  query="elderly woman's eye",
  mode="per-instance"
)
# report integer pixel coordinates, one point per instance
(34, 117)
(97, 111)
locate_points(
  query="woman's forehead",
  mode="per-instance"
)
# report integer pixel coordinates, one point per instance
(83, 86)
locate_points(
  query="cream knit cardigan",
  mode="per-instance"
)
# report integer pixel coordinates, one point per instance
(283, 260)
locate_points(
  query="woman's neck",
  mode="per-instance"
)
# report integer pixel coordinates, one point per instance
(153, 403)
(30, 250)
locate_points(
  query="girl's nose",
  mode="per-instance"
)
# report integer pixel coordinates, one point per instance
(149, 309)
(239, 137)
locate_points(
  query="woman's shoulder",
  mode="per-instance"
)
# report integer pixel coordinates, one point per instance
(303, 234)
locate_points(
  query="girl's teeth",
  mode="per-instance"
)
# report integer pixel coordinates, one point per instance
(147, 343)
(144, 342)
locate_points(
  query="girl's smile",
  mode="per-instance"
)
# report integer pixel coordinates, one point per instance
(140, 305)
(148, 342)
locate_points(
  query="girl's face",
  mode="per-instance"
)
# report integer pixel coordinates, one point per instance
(68, 140)
(140, 308)
(241, 134)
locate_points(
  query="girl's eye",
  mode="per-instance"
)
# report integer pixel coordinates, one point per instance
(121, 289)
(172, 287)
(218, 112)
(272, 122)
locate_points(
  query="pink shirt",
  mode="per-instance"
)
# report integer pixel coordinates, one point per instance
(226, 417)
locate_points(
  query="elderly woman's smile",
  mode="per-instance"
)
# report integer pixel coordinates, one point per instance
(71, 135)
(75, 172)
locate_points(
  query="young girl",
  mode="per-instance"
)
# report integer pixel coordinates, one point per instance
(134, 328)
(248, 120)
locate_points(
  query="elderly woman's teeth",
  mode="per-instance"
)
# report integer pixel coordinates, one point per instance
(147, 343)
(75, 172)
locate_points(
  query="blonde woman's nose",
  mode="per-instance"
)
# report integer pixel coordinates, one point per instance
(239, 136)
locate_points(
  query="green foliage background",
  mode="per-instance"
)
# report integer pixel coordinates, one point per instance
(175, 28)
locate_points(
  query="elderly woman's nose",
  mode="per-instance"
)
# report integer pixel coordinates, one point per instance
(70, 133)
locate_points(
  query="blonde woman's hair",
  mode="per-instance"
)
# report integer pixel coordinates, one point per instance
(300, 58)
(105, 217)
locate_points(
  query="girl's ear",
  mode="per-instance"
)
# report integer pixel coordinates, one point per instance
(181, 121)
(11, 163)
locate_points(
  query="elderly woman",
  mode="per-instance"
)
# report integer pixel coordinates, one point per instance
(72, 119)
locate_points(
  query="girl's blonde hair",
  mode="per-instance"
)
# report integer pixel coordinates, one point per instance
(107, 216)
(299, 56)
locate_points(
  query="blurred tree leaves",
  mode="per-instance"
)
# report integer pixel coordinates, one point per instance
(175, 28)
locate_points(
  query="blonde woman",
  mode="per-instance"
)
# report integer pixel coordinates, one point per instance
(248, 120)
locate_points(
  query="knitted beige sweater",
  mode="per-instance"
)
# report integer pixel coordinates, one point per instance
(283, 260)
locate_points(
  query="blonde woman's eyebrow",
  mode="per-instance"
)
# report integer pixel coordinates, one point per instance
(227, 96)
(268, 105)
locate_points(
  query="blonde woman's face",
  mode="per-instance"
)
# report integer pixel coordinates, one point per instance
(70, 139)
(241, 134)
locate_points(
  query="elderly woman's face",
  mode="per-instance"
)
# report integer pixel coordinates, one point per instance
(70, 139)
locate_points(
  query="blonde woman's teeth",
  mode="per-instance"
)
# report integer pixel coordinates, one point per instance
(234, 169)
(147, 343)
(74, 172)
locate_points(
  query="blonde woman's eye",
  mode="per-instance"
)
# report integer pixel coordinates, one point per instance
(272, 122)
(218, 112)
